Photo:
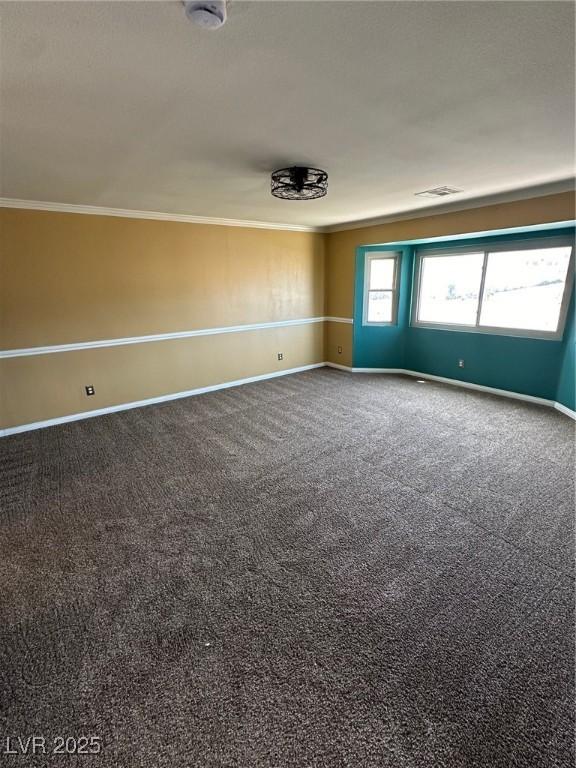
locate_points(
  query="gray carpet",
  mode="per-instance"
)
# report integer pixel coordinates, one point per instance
(322, 570)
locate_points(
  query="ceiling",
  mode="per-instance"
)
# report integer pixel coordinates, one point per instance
(129, 105)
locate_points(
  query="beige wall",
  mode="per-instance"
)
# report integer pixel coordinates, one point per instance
(338, 343)
(68, 278)
(341, 246)
(48, 386)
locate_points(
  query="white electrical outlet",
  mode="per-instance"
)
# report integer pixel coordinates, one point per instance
(460, 363)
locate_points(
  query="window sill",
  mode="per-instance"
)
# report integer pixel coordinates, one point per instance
(368, 324)
(489, 331)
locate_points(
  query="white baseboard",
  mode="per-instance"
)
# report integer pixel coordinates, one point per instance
(262, 377)
(465, 384)
(482, 388)
(379, 370)
(364, 370)
(151, 401)
(339, 367)
(565, 410)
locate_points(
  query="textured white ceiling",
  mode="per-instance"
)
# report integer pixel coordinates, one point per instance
(128, 105)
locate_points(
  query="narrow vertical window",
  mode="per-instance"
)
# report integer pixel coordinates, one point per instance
(380, 288)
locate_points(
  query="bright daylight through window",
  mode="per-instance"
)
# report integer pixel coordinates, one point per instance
(521, 289)
(380, 289)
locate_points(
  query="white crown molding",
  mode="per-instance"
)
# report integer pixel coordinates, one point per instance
(511, 196)
(120, 342)
(541, 190)
(95, 210)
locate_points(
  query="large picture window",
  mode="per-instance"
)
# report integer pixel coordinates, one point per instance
(521, 289)
(380, 288)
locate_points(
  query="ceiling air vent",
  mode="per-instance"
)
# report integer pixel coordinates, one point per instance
(438, 192)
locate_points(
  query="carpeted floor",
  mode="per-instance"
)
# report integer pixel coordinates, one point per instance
(317, 571)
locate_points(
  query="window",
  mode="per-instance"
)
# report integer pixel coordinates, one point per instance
(521, 290)
(524, 289)
(380, 288)
(449, 288)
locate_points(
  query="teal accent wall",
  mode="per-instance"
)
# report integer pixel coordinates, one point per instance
(527, 366)
(382, 346)
(538, 367)
(566, 391)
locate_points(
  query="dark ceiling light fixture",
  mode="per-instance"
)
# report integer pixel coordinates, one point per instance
(299, 183)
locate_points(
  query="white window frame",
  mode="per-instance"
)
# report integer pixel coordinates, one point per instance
(369, 257)
(486, 249)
